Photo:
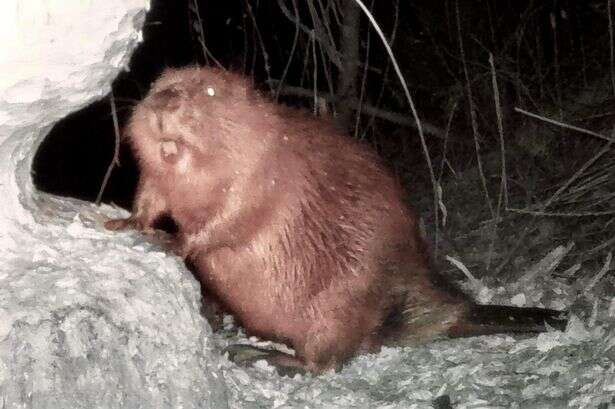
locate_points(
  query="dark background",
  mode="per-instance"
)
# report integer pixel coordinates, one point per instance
(550, 57)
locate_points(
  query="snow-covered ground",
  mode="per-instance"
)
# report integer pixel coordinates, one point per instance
(82, 322)
(90, 318)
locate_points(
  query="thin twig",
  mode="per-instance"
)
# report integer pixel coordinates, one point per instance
(445, 146)
(201, 32)
(564, 125)
(115, 161)
(306, 62)
(325, 25)
(329, 48)
(359, 106)
(610, 15)
(414, 113)
(502, 194)
(558, 85)
(368, 109)
(385, 74)
(561, 214)
(292, 52)
(315, 74)
(472, 112)
(576, 175)
(318, 28)
(244, 65)
(260, 40)
(333, 6)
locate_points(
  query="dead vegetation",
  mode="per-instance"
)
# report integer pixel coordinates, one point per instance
(517, 103)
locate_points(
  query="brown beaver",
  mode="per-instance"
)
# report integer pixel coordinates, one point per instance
(293, 227)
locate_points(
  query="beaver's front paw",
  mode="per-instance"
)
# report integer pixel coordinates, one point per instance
(122, 224)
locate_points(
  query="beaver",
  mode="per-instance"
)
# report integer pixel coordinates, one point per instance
(298, 230)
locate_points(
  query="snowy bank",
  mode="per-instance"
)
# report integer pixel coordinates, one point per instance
(87, 319)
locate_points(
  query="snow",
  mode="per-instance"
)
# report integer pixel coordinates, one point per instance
(98, 319)
(482, 372)
(92, 326)
(87, 319)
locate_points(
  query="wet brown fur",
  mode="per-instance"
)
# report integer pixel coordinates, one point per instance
(292, 226)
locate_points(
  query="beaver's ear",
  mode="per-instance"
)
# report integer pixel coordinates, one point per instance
(172, 151)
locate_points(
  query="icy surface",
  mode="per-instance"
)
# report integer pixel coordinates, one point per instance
(552, 371)
(93, 319)
(87, 319)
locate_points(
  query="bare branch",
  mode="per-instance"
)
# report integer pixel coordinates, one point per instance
(563, 125)
(332, 52)
(366, 109)
(472, 108)
(116, 152)
(292, 52)
(200, 29)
